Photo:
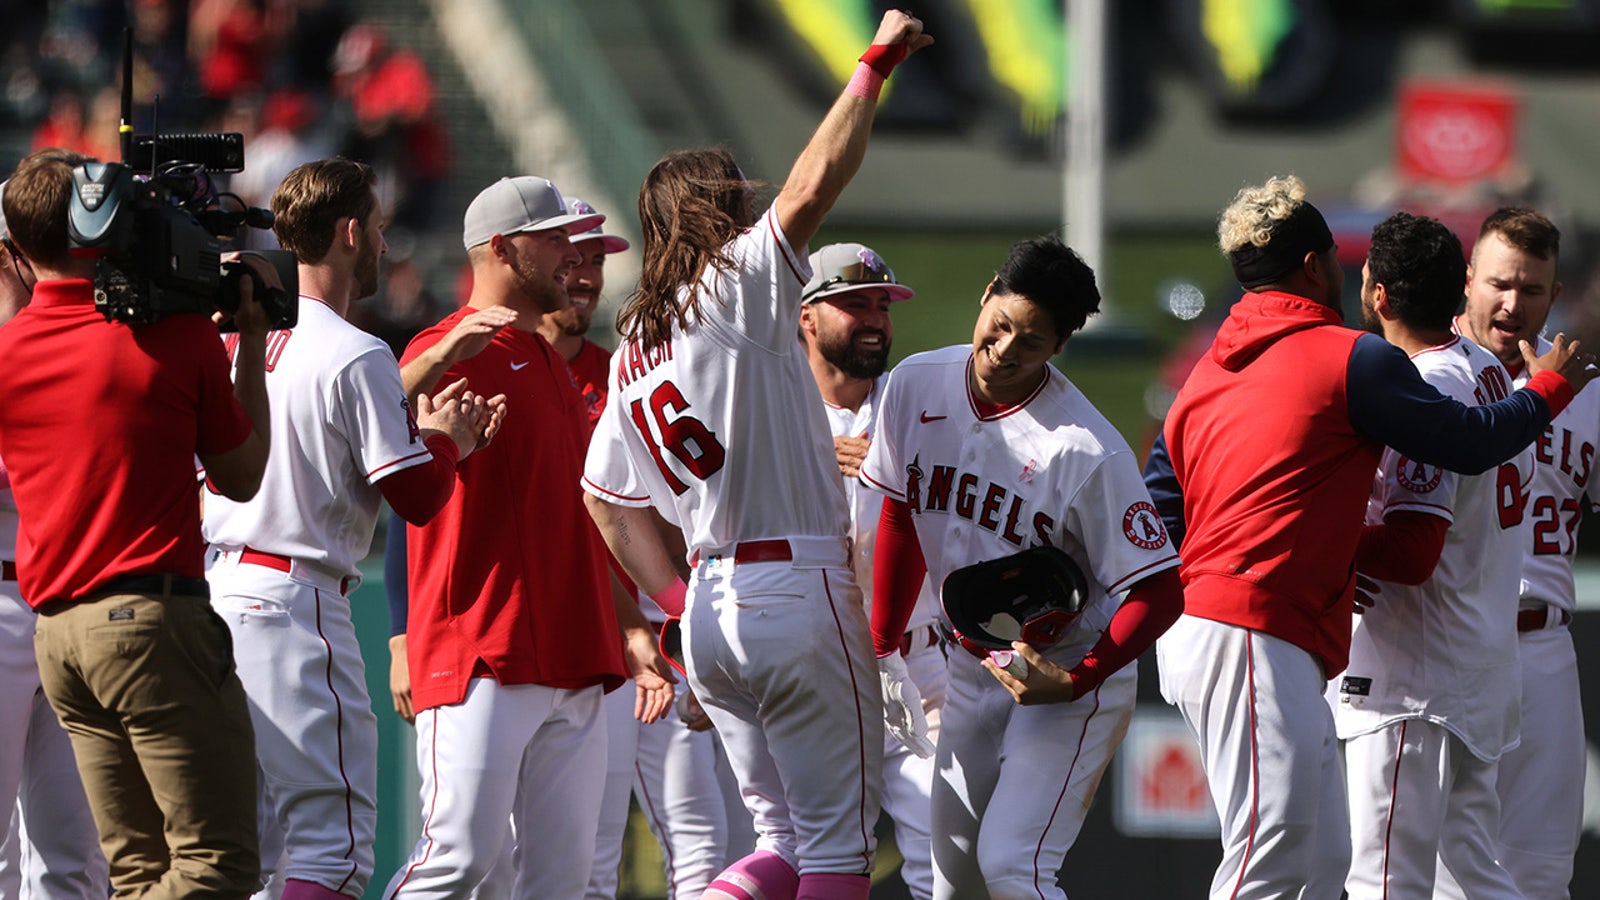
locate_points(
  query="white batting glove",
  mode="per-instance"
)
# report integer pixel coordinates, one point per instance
(902, 706)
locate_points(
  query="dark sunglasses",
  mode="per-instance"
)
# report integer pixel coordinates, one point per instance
(857, 273)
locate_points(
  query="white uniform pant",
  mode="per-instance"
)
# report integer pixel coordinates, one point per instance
(316, 735)
(1417, 794)
(672, 772)
(51, 851)
(908, 778)
(1015, 782)
(524, 752)
(780, 655)
(1255, 705)
(1540, 783)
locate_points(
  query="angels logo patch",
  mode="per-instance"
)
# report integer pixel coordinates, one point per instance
(411, 420)
(1417, 477)
(1143, 526)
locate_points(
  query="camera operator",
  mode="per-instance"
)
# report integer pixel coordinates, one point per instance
(99, 431)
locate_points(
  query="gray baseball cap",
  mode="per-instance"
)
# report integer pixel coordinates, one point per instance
(515, 205)
(842, 268)
(609, 243)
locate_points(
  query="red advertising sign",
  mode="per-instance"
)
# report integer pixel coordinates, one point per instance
(1455, 132)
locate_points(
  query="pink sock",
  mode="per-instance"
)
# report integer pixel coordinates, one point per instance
(834, 886)
(763, 875)
(295, 889)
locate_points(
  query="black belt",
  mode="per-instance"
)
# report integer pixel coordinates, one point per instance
(8, 570)
(158, 583)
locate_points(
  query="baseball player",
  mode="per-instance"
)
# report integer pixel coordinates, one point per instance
(512, 636)
(1511, 287)
(666, 765)
(1428, 703)
(1261, 474)
(38, 774)
(285, 562)
(846, 329)
(982, 451)
(713, 418)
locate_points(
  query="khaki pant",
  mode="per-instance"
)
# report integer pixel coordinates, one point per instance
(146, 688)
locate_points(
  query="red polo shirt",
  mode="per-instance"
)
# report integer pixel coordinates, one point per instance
(99, 429)
(509, 579)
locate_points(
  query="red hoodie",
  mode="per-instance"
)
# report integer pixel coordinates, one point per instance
(1274, 475)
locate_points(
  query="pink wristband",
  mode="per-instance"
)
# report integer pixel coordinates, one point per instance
(866, 82)
(671, 597)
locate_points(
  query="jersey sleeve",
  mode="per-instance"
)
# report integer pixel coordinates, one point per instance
(223, 423)
(1122, 534)
(1392, 404)
(1415, 486)
(369, 404)
(608, 472)
(768, 277)
(882, 470)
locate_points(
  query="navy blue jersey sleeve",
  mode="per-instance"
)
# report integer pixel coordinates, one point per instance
(1162, 483)
(394, 574)
(1390, 403)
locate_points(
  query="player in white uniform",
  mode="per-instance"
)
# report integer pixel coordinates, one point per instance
(982, 451)
(847, 331)
(1511, 286)
(666, 766)
(712, 412)
(285, 562)
(38, 774)
(1428, 702)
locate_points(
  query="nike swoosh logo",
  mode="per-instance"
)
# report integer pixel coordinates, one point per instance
(927, 418)
(517, 367)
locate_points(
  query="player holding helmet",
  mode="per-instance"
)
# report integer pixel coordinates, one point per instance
(983, 451)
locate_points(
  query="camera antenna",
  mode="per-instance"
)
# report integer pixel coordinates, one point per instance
(125, 129)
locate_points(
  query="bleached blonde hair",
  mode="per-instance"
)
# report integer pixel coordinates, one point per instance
(1256, 211)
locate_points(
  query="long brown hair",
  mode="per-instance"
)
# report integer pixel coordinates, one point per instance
(691, 205)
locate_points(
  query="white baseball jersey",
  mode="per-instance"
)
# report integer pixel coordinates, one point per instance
(340, 422)
(865, 504)
(725, 411)
(1051, 471)
(1541, 815)
(1564, 457)
(1446, 650)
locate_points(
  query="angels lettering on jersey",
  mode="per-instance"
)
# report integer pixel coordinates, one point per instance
(975, 500)
(1002, 510)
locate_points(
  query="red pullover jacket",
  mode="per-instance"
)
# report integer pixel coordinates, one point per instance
(1268, 454)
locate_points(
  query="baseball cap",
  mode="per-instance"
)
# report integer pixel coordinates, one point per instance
(842, 268)
(515, 205)
(609, 243)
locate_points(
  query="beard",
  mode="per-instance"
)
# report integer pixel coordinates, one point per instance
(1369, 320)
(547, 294)
(366, 271)
(854, 361)
(574, 322)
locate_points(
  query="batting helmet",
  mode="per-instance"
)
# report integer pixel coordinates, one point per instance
(1033, 596)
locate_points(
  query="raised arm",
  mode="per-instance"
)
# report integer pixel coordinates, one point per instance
(835, 151)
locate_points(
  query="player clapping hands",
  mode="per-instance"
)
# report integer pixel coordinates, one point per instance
(469, 419)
